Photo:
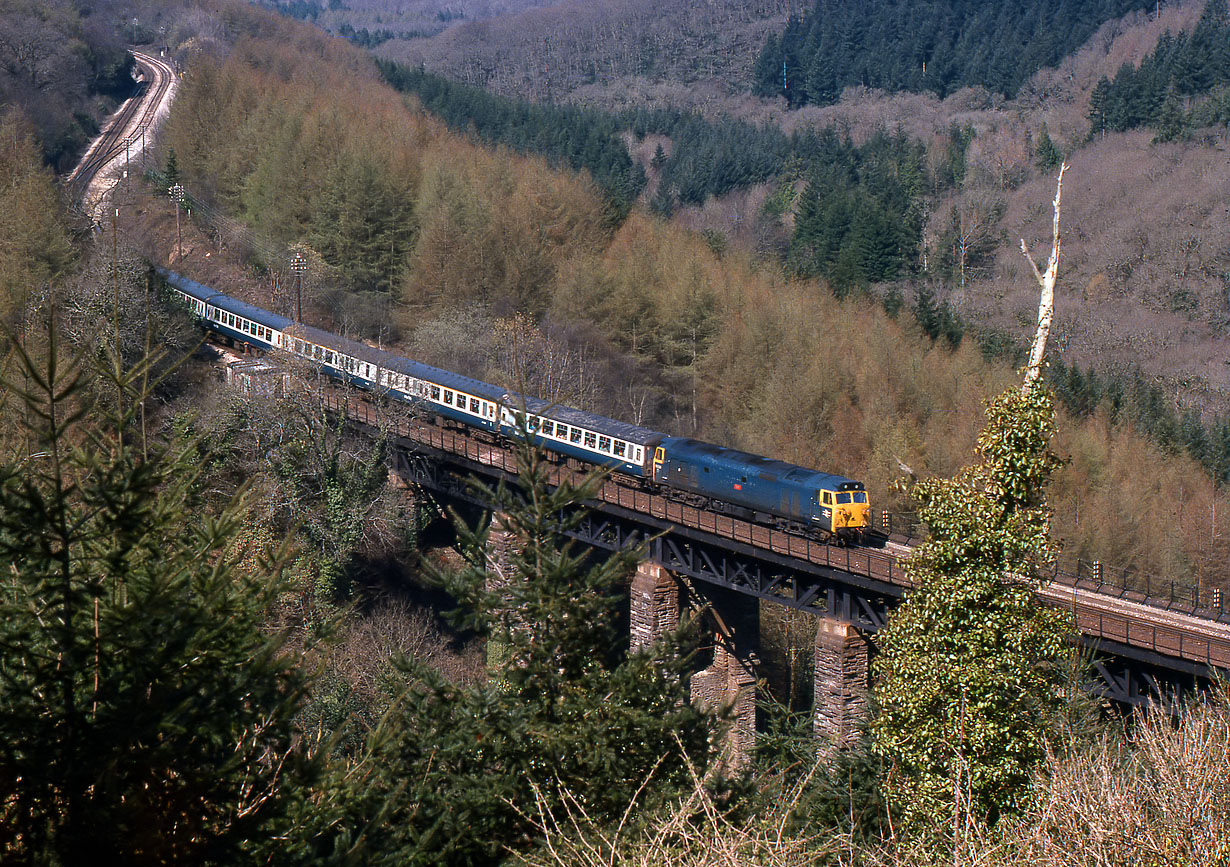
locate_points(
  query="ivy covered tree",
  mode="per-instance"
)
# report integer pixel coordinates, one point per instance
(970, 670)
(567, 715)
(968, 667)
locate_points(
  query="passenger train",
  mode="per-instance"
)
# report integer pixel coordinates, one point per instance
(747, 486)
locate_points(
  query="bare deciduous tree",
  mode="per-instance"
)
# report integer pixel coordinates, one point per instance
(1046, 305)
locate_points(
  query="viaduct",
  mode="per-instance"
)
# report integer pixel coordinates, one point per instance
(1145, 644)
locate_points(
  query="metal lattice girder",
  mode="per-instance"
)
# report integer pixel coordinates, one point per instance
(696, 554)
(1121, 672)
(1129, 675)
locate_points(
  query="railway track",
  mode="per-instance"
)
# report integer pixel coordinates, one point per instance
(130, 126)
(1131, 620)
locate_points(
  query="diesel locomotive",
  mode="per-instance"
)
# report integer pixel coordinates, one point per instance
(747, 486)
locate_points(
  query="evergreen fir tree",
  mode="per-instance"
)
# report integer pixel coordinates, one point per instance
(145, 715)
(1097, 107)
(927, 312)
(171, 170)
(1048, 156)
(1171, 120)
(566, 714)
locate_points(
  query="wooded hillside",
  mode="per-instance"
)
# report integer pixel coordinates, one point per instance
(179, 686)
(658, 325)
(924, 45)
(64, 65)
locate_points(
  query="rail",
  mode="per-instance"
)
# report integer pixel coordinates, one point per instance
(121, 134)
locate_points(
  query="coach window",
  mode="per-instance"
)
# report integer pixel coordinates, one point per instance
(604, 444)
(589, 440)
(574, 435)
(548, 427)
(448, 397)
(619, 449)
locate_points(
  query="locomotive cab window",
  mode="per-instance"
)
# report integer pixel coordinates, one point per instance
(828, 498)
(843, 498)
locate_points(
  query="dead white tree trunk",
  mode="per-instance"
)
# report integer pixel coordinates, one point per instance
(1046, 304)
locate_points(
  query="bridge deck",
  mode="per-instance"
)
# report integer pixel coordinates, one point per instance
(1099, 616)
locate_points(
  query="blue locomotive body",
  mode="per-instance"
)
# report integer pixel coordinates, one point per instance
(757, 488)
(762, 489)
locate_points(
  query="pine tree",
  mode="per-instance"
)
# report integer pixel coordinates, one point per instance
(1046, 153)
(171, 169)
(145, 715)
(1098, 100)
(565, 714)
(1171, 119)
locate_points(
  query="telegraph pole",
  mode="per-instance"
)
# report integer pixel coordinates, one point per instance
(298, 267)
(115, 314)
(176, 192)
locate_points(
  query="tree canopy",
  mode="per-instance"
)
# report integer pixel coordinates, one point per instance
(968, 670)
(923, 45)
(568, 718)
